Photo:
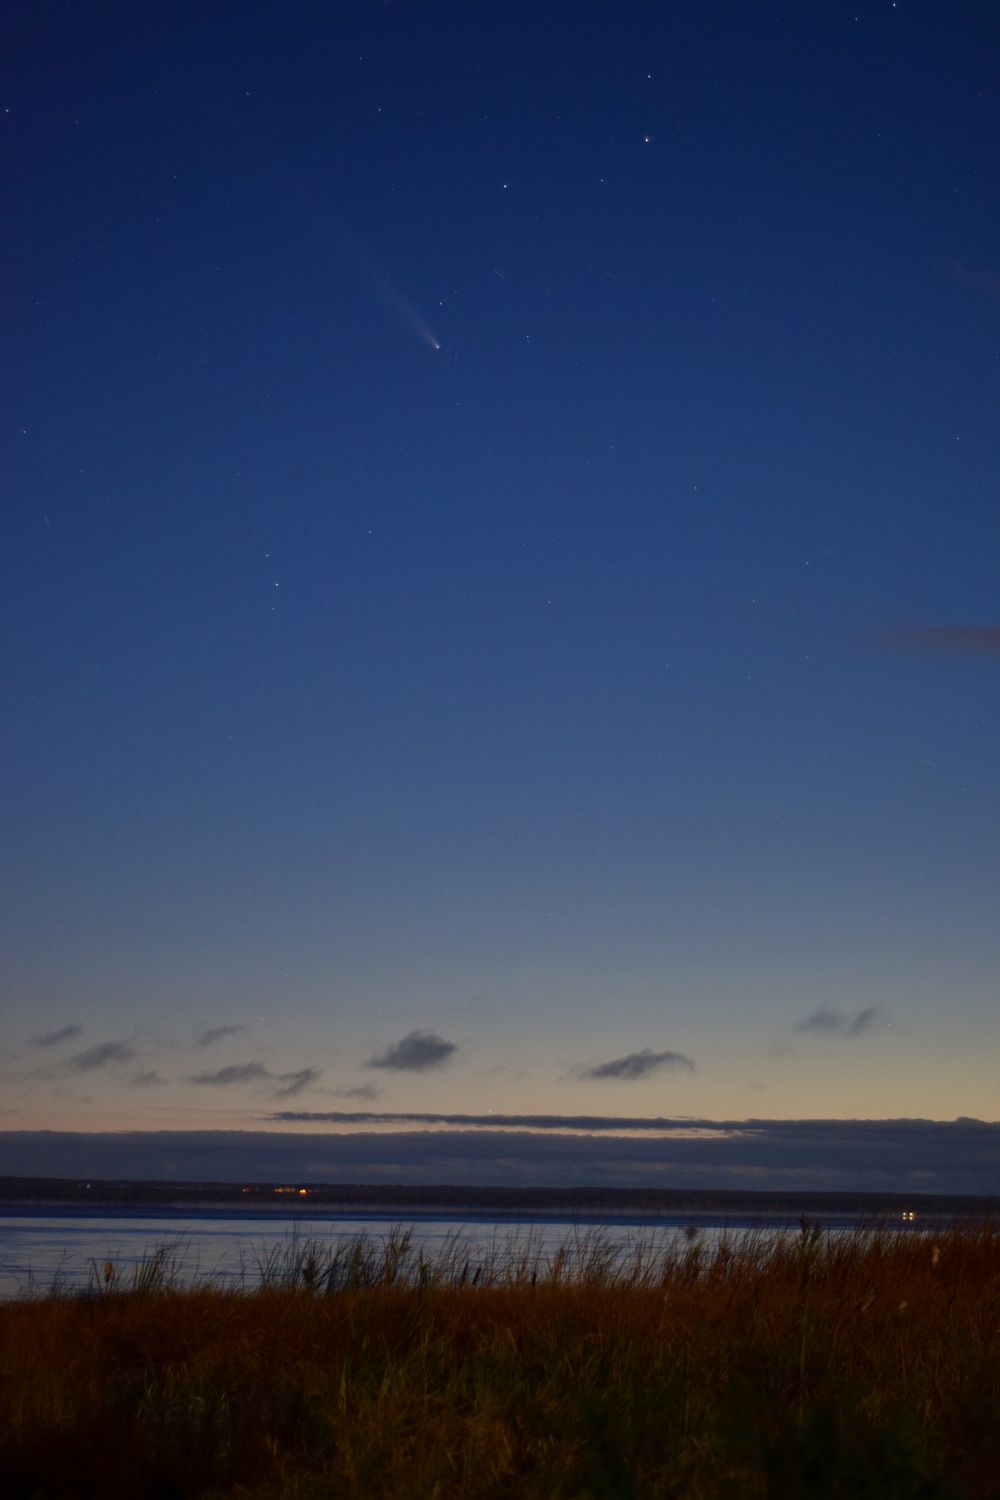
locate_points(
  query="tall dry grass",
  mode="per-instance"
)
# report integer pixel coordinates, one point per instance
(808, 1365)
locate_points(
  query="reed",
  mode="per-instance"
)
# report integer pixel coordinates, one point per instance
(805, 1364)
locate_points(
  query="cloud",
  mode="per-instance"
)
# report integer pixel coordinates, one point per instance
(90, 1060)
(216, 1033)
(53, 1038)
(978, 279)
(825, 1021)
(294, 1083)
(251, 1072)
(360, 1091)
(943, 640)
(593, 1124)
(146, 1078)
(879, 1156)
(285, 1084)
(416, 1053)
(635, 1065)
(104, 1055)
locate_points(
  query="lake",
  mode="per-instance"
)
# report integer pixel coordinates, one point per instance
(68, 1246)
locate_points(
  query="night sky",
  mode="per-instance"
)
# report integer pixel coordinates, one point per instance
(500, 562)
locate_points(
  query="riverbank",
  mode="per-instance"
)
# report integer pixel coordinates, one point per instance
(809, 1364)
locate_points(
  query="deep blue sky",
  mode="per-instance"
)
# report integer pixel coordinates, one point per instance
(621, 674)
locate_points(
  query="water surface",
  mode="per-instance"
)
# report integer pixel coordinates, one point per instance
(68, 1247)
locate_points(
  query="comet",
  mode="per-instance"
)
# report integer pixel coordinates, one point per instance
(401, 304)
(387, 290)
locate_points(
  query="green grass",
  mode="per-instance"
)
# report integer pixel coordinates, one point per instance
(812, 1365)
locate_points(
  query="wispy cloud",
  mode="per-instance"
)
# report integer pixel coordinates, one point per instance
(942, 640)
(284, 1084)
(251, 1072)
(216, 1034)
(825, 1021)
(416, 1053)
(104, 1055)
(982, 279)
(636, 1065)
(96, 1059)
(147, 1078)
(294, 1083)
(360, 1091)
(54, 1038)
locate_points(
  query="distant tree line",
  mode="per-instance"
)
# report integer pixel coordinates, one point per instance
(687, 1202)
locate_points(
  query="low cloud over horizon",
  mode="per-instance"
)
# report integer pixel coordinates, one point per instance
(491, 1120)
(926, 1156)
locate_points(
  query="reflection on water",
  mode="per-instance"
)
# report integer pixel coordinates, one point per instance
(52, 1248)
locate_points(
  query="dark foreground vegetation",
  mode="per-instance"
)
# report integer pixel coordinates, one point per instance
(865, 1364)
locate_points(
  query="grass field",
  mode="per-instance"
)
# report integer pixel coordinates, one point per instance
(865, 1364)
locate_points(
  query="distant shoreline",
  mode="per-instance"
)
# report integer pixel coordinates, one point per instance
(303, 1197)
